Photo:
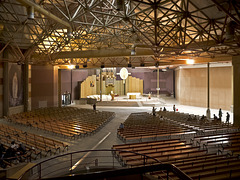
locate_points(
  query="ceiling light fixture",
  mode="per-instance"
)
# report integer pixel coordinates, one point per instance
(30, 12)
(190, 61)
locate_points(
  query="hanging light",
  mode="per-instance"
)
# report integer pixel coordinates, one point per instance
(30, 12)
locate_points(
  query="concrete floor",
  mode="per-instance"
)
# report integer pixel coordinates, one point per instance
(107, 136)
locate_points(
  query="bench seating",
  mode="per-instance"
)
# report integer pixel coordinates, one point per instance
(140, 126)
(206, 167)
(36, 144)
(68, 121)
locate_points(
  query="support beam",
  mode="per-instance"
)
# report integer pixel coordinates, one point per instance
(41, 10)
(158, 82)
(208, 91)
(25, 86)
(100, 84)
(59, 88)
(6, 85)
(236, 90)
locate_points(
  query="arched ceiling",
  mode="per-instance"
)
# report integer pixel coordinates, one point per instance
(118, 32)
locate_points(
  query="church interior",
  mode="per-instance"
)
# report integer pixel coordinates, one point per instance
(119, 89)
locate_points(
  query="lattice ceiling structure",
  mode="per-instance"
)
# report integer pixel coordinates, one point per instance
(118, 32)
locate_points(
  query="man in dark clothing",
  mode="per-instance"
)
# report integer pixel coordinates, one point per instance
(94, 107)
(220, 114)
(227, 118)
(154, 111)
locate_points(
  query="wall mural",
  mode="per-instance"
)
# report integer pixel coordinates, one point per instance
(15, 85)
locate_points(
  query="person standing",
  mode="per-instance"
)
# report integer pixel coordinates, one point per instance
(227, 118)
(154, 111)
(220, 114)
(174, 108)
(94, 106)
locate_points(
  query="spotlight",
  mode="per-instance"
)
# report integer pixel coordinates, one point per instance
(190, 61)
(142, 64)
(69, 32)
(133, 52)
(102, 66)
(70, 66)
(129, 65)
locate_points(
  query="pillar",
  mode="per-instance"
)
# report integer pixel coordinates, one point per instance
(5, 88)
(158, 82)
(100, 84)
(208, 113)
(231, 108)
(25, 86)
(71, 97)
(236, 90)
(5, 84)
(59, 89)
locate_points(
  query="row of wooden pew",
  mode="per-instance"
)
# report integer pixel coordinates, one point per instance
(196, 123)
(36, 145)
(214, 153)
(224, 143)
(196, 162)
(67, 121)
(143, 125)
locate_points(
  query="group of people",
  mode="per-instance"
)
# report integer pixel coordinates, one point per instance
(220, 113)
(14, 152)
(154, 110)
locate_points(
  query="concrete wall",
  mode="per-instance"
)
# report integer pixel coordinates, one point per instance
(191, 87)
(44, 90)
(77, 76)
(149, 77)
(9, 104)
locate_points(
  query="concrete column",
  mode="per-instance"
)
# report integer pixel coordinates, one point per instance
(208, 92)
(236, 90)
(71, 100)
(231, 108)
(158, 82)
(5, 87)
(25, 86)
(100, 84)
(59, 89)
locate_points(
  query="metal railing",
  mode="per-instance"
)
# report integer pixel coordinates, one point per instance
(87, 163)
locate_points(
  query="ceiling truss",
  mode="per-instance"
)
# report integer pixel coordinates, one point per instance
(79, 31)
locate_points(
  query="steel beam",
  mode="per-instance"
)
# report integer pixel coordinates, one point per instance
(45, 12)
